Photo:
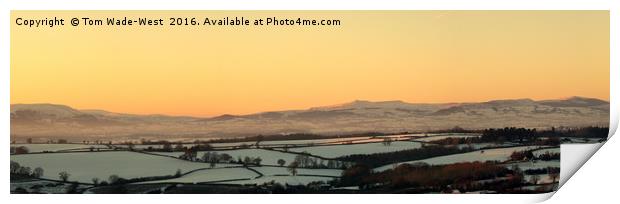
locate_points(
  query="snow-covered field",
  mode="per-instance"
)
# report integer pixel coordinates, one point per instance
(543, 178)
(434, 138)
(210, 175)
(542, 151)
(84, 166)
(268, 157)
(271, 171)
(526, 165)
(368, 148)
(44, 186)
(291, 180)
(32, 148)
(294, 142)
(499, 154)
(484, 145)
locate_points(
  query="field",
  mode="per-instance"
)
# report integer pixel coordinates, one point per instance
(269, 157)
(280, 171)
(211, 175)
(367, 148)
(499, 154)
(35, 148)
(291, 180)
(435, 138)
(84, 166)
(146, 168)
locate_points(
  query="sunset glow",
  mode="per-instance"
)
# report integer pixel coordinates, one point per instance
(413, 56)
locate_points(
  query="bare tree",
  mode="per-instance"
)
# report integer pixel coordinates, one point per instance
(225, 157)
(95, 181)
(292, 168)
(64, 176)
(281, 162)
(178, 173)
(37, 172)
(387, 141)
(14, 167)
(534, 179)
(257, 161)
(24, 170)
(113, 178)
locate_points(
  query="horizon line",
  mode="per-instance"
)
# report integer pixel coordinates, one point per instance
(301, 109)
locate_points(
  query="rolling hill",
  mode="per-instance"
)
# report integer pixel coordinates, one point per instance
(59, 121)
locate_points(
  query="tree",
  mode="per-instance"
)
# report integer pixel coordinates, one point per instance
(534, 179)
(64, 176)
(178, 173)
(303, 160)
(130, 146)
(24, 170)
(281, 162)
(257, 161)
(292, 168)
(225, 157)
(37, 172)
(355, 175)
(167, 147)
(178, 147)
(15, 167)
(95, 181)
(258, 140)
(212, 158)
(113, 179)
(206, 157)
(247, 160)
(554, 176)
(387, 141)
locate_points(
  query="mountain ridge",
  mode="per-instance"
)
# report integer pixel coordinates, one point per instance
(52, 120)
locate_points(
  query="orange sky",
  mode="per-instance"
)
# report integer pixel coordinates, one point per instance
(414, 56)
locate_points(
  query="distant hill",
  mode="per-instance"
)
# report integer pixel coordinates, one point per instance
(59, 121)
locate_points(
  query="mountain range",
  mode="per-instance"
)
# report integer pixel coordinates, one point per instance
(51, 121)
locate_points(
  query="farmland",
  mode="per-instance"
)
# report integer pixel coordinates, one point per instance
(296, 164)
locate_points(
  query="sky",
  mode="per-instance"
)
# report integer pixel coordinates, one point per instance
(413, 56)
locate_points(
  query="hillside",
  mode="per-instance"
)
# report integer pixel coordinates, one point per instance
(59, 121)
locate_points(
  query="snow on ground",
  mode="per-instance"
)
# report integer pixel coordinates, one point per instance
(542, 151)
(543, 178)
(499, 154)
(83, 166)
(291, 180)
(292, 142)
(333, 151)
(270, 171)
(40, 186)
(32, 148)
(483, 145)
(269, 157)
(526, 165)
(434, 138)
(209, 175)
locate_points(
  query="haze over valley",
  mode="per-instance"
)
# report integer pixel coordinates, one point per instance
(54, 121)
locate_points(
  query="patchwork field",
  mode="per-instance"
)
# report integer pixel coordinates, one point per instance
(499, 154)
(35, 148)
(271, 171)
(291, 180)
(210, 175)
(84, 166)
(367, 148)
(269, 157)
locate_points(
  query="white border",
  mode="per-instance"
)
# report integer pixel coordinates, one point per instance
(7, 5)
